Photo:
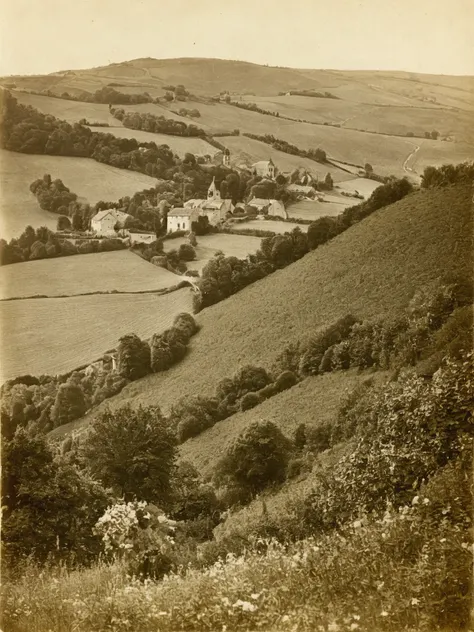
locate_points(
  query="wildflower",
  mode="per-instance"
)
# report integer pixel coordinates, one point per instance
(354, 626)
(443, 540)
(426, 501)
(384, 613)
(416, 500)
(356, 617)
(357, 524)
(333, 627)
(285, 618)
(415, 601)
(255, 595)
(245, 605)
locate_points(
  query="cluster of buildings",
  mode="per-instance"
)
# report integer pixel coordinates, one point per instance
(106, 223)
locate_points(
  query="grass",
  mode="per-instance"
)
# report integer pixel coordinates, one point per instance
(92, 181)
(371, 270)
(177, 144)
(270, 224)
(314, 401)
(313, 209)
(56, 335)
(434, 154)
(118, 271)
(231, 245)
(70, 111)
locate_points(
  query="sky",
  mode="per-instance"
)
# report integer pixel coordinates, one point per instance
(432, 36)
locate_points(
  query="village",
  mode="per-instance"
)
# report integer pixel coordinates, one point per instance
(219, 210)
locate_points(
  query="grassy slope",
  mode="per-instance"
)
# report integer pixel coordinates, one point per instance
(120, 271)
(69, 332)
(371, 270)
(313, 402)
(177, 144)
(92, 181)
(71, 111)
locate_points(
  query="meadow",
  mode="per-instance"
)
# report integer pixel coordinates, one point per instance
(434, 154)
(364, 186)
(208, 245)
(312, 209)
(273, 225)
(90, 180)
(178, 144)
(117, 271)
(70, 332)
(371, 270)
(70, 111)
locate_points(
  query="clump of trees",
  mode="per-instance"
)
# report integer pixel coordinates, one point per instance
(52, 195)
(157, 124)
(462, 173)
(319, 155)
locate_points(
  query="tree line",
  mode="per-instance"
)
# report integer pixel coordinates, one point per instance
(319, 155)
(157, 124)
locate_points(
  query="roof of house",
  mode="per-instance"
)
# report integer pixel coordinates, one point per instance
(263, 202)
(117, 215)
(300, 188)
(181, 212)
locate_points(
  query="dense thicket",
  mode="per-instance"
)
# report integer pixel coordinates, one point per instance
(157, 124)
(319, 155)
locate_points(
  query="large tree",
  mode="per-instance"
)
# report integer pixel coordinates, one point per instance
(133, 451)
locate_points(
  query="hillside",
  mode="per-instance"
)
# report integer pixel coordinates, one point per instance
(210, 76)
(371, 270)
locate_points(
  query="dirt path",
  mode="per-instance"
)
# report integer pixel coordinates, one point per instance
(411, 155)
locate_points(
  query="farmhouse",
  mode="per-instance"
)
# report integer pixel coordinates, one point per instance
(214, 208)
(265, 169)
(181, 219)
(272, 207)
(301, 188)
(104, 222)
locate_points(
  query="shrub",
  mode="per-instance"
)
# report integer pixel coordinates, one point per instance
(186, 252)
(249, 400)
(267, 391)
(285, 380)
(133, 357)
(257, 458)
(310, 362)
(68, 405)
(318, 438)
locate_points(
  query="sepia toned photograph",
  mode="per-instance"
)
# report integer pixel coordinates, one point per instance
(236, 315)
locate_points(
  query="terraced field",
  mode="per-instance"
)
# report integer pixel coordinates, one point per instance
(270, 224)
(177, 144)
(56, 335)
(119, 271)
(312, 209)
(92, 181)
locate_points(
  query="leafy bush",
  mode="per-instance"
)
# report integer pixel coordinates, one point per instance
(186, 252)
(249, 400)
(257, 458)
(285, 380)
(133, 357)
(310, 363)
(68, 405)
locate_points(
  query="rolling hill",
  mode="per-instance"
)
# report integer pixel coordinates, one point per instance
(371, 270)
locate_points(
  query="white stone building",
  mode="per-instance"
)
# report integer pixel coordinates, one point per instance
(103, 223)
(273, 207)
(265, 169)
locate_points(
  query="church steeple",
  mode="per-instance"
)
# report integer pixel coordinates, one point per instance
(213, 192)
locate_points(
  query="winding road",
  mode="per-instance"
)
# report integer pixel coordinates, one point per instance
(408, 169)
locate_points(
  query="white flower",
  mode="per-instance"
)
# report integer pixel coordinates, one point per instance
(426, 501)
(415, 601)
(416, 500)
(333, 627)
(285, 618)
(357, 524)
(245, 605)
(255, 595)
(354, 626)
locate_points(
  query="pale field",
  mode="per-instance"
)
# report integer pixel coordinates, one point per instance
(56, 335)
(434, 154)
(90, 180)
(120, 271)
(312, 209)
(178, 144)
(271, 225)
(248, 151)
(70, 111)
(364, 186)
(231, 245)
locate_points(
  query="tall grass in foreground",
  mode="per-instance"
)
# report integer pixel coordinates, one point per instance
(409, 569)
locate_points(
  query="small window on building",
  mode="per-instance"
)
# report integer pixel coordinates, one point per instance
(178, 226)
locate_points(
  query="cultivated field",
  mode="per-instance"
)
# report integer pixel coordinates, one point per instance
(435, 155)
(248, 151)
(92, 181)
(231, 245)
(274, 225)
(71, 111)
(118, 271)
(56, 335)
(177, 144)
